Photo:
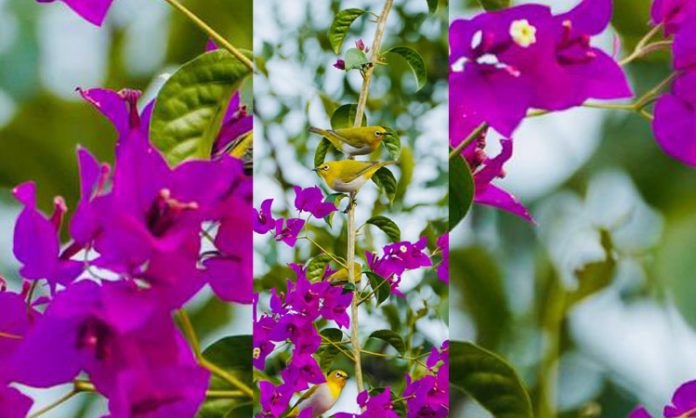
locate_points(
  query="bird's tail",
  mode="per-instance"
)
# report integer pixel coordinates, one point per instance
(386, 163)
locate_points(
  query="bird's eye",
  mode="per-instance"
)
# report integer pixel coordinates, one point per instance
(378, 133)
(326, 167)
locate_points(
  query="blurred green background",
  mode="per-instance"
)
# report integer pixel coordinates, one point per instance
(602, 291)
(46, 52)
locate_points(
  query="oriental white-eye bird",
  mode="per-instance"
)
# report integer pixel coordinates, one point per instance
(354, 141)
(341, 275)
(320, 398)
(348, 176)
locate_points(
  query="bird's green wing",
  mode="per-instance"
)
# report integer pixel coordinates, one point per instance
(295, 410)
(374, 166)
(353, 141)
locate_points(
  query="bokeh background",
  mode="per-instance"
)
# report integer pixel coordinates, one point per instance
(299, 88)
(595, 181)
(46, 51)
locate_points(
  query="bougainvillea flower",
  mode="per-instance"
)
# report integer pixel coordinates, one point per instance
(36, 241)
(262, 344)
(335, 305)
(121, 108)
(443, 268)
(174, 391)
(302, 370)
(340, 64)
(102, 330)
(13, 403)
(263, 219)
(397, 258)
(311, 200)
(670, 13)
(684, 47)
(93, 11)
(486, 193)
(14, 323)
(683, 404)
(229, 270)
(287, 230)
(93, 178)
(506, 62)
(236, 123)
(675, 120)
(274, 399)
(376, 406)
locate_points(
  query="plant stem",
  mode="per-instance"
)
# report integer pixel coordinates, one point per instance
(232, 380)
(553, 327)
(190, 333)
(640, 48)
(55, 404)
(339, 348)
(191, 336)
(468, 140)
(212, 33)
(350, 256)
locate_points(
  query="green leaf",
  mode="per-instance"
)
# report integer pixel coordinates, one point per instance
(393, 144)
(387, 182)
(322, 149)
(340, 26)
(595, 276)
(191, 105)
(414, 60)
(355, 59)
(392, 338)
(328, 353)
(334, 198)
(432, 5)
(317, 266)
(494, 4)
(379, 285)
(232, 354)
(461, 191)
(490, 380)
(387, 225)
(480, 283)
(407, 164)
(344, 116)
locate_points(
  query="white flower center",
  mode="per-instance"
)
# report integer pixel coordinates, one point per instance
(403, 248)
(522, 33)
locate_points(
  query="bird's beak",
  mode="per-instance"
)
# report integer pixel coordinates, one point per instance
(315, 169)
(387, 133)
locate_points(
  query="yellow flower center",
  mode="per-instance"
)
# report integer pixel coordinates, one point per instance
(522, 33)
(403, 248)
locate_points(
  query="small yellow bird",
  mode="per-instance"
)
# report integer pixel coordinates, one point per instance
(348, 176)
(341, 275)
(321, 398)
(354, 141)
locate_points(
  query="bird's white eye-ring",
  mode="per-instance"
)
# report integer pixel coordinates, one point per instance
(338, 374)
(325, 168)
(378, 133)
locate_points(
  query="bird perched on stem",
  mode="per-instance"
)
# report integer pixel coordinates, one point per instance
(341, 275)
(320, 398)
(348, 176)
(354, 141)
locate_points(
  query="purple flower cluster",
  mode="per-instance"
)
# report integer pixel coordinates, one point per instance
(396, 259)
(443, 268)
(429, 395)
(292, 319)
(683, 404)
(504, 63)
(373, 406)
(310, 200)
(135, 255)
(675, 112)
